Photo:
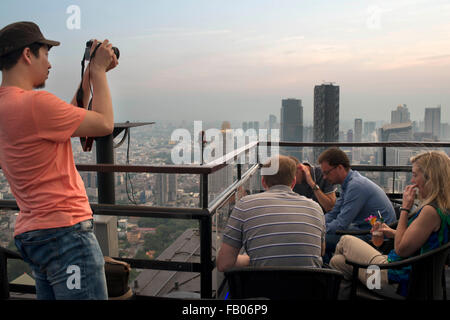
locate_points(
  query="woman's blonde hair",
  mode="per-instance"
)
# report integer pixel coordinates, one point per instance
(435, 166)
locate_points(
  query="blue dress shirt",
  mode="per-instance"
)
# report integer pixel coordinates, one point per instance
(359, 198)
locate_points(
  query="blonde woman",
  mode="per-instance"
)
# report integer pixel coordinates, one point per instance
(424, 231)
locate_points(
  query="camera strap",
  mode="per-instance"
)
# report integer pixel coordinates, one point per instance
(86, 142)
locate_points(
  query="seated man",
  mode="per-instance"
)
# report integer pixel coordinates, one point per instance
(312, 185)
(277, 227)
(359, 198)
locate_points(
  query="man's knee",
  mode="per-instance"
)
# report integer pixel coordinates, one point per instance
(337, 261)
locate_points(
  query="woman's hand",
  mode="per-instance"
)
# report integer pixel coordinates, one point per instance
(409, 195)
(388, 232)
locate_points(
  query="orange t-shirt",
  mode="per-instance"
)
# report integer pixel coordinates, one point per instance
(37, 160)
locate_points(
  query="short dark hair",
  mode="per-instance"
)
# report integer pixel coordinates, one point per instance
(335, 157)
(10, 60)
(285, 175)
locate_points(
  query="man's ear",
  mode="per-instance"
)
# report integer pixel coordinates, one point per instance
(26, 55)
(264, 184)
(294, 182)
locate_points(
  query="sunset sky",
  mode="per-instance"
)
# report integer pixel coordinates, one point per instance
(236, 60)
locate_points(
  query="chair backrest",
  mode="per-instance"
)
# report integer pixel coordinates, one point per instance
(284, 283)
(425, 282)
(397, 207)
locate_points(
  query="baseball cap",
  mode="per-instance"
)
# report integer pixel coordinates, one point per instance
(20, 34)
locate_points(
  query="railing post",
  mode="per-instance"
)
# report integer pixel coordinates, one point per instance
(106, 226)
(4, 283)
(204, 191)
(205, 243)
(106, 183)
(206, 257)
(393, 181)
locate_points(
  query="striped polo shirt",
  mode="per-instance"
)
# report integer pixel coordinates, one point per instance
(277, 228)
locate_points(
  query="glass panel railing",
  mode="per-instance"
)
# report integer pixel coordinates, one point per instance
(174, 240)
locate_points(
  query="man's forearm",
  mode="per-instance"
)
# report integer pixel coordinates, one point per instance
(327, 201)
(101, 101)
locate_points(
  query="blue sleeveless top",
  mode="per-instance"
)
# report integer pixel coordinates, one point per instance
(435, 240)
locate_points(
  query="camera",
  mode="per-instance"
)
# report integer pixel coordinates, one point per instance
(87, 52)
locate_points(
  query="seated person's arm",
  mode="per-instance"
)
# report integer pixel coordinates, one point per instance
(229, 257)
(409, 239)
(326, 200)
(326, 194)
(350, 208)
(332, 215)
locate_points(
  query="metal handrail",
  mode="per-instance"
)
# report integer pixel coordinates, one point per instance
(205, 213)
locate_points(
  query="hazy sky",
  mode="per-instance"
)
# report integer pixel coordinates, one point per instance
(236, 60)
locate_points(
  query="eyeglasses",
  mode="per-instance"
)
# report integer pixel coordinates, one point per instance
(327, 172)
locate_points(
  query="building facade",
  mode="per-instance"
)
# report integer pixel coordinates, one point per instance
(326, 115)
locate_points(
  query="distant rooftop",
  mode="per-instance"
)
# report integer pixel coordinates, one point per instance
(399, 125)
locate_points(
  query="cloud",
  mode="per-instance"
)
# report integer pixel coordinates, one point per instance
(437, 57)
(177, 33)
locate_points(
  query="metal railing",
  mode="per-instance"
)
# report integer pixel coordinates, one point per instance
(205, 213)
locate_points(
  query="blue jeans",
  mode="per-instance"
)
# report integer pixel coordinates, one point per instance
(67, 262)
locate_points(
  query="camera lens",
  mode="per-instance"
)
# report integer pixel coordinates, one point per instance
(116, 52)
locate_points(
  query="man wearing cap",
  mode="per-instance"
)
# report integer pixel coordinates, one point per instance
(312, 185)
(54, 229)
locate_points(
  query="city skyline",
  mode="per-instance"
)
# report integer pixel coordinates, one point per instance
(203, 60)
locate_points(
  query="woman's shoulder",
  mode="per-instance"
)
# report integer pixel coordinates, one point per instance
(431, 213)
(442, 212)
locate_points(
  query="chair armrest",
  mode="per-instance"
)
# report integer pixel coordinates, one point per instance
(352, 232)
(392, 265)
(392, 225)
(401, 263)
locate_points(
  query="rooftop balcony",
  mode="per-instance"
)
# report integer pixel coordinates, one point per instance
(187, 267)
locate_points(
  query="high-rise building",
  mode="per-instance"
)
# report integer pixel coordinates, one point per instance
(224, 177)
(291, 125)
(369, 129)
(400, 115)
(326, 115)
(445, 131)
(396, 132)
(357, 137)
(349, 135)
(433, 121)
(395, 156)
(358, 130)
(173, 184)
(271, 126)
(162, 189)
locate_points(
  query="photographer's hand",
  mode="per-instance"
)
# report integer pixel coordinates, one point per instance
(104, 58)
